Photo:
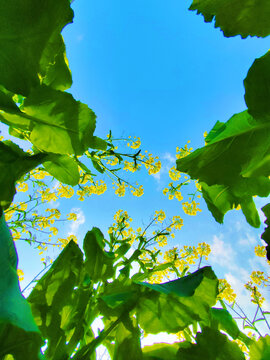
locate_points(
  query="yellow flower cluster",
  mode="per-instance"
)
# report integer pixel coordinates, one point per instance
(151, 163)
(39, 174)
(259, 278)
(160, 238)
(130, 166)
(137, 191)
(160, 216)
(65, 191)
(64, 242)
(260, 251)
(191, 208)
(204, 249)
(256, 296)
(23, 187)
(20, 274)
(225, 291)
(177, 222)
(72, 216)
(134, 144)
(121, 227)
(47, 195)
(183, 152)
(174, 174)
(98, 188)
(114, 161)
(120, 189)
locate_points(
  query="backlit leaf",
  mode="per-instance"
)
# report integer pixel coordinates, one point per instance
(63, 168)
(260, 349)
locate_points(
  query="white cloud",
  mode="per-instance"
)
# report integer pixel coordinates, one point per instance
(248, 240)
(222, 253)
(167, 161)
(169, 157)
(74, 225)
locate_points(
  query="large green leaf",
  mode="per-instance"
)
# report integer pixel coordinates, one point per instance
(260, 350)
(174, 305)
(14, 163)
(266, 234)
(257, 85)
(98, 263)
(210, 345)
(56, 122)
(63, 168)
(228, 165)
(19, 335)
(236, 17)
(58, 303)
(29, 37)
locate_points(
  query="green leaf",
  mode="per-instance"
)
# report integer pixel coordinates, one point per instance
(19, 335)
(14, 163)
(260, 349)
(58, 303)
(257, 85)
(266, 234)
(174, 305)
(63, 168)
(160, 351)
(60, 124)
(55, 71)
(228, 165)
(28, 30)
(127, 340)
(224, 321)
(235, 17)
(98, 263)
(210, 345)
(98, 143)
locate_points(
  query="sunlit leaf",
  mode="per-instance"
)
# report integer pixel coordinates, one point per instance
(260, 350)
(63, 168)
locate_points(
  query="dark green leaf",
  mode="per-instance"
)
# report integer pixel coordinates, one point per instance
(98, 143)
(63, 168)
(257, 85)
(236, 17)
(19, 335)
(266, 234)
(28, 30)
(225, 322)
(98, 263)
(210, 345)
(14, 163)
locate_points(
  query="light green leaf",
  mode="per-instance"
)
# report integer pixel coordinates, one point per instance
(160, 351)
(174, 305)
(226, 165)
(260, 350)
(236, 17)
(19, 335)
(63, 168)
(29, 28)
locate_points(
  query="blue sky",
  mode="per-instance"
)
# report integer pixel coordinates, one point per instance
(155, 70)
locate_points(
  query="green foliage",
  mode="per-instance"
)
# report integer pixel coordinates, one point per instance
(266, 234)
(236, 17)
(31, 42)
(225, 166)
(260, 350)
(19, 334)
(223, 348)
